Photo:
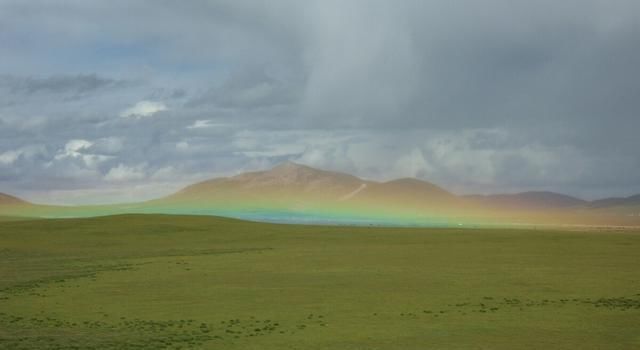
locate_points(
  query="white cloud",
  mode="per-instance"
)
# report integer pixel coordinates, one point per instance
(8, 157)
(143, 109)
(78, 149)
(73, 148)
(207, 124)
(126, 173)
(199, 124)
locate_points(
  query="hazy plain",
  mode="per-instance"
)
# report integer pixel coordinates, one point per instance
(189, 282)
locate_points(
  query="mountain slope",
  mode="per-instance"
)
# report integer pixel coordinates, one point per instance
(288, 181)
(528, 201)
(14, 206)
(292, 190)
(300, 181)
(616, 202)
(299, 189)
(408, 193)
(6, 199)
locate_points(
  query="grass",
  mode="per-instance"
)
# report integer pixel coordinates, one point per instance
(15, 218)
(180, 282)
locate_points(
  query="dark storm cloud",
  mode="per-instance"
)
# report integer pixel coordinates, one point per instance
(60, 84)
(476, 96)
(249, 89)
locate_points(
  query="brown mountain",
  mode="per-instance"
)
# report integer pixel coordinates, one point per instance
(294, 190)
(528, 201)
(6, 199)
(287, 181)
(299, 183)
(616, 202)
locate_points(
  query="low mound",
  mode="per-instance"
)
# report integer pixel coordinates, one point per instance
(6, 199)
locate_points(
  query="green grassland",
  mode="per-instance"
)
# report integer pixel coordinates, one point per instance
(180, 282)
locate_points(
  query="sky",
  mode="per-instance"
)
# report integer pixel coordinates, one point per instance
(117, 101)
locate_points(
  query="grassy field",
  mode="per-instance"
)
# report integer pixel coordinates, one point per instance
(179, 282)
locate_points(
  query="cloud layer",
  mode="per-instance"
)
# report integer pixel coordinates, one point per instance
(114, 100)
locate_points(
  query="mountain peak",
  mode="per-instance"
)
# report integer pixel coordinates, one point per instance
(412, 185)
(293, 172)
(289, 166)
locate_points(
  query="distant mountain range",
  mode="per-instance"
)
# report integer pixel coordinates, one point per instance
(529, 201)
(292, 192)
(632, 201)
